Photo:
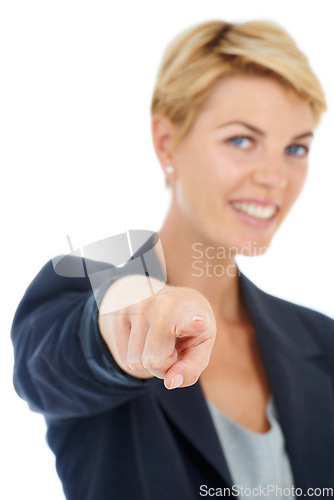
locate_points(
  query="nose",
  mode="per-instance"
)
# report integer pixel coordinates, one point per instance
(271, 172)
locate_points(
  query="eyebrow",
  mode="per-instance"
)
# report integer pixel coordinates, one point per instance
(260, 132)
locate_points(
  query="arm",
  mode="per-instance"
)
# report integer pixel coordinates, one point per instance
(63, 367)
(71, 362)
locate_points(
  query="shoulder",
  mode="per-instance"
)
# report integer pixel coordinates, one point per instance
(65, 272)
(61, 278)
(308, 314)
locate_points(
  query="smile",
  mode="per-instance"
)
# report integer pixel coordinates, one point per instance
(261, 212)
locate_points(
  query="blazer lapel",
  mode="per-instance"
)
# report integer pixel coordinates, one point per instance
(302, 388)
(188, 410)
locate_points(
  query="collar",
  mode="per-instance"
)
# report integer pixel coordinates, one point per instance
(301, 387)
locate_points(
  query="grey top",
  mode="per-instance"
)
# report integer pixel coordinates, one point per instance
(255, 459)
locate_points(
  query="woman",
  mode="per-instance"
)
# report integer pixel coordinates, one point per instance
(250, 377)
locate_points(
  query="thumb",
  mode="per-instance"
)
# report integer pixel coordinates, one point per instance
(191, 324)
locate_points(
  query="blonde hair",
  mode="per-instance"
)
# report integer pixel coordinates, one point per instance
(201, 55)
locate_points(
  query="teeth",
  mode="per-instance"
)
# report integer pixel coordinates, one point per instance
(254, 210)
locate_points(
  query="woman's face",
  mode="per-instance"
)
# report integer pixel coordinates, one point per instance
(243, 163)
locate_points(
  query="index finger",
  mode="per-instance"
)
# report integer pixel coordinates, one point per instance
(192, 360)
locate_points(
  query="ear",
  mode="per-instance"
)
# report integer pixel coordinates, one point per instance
(163, 130)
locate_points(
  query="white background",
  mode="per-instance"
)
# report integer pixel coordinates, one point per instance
(76, 158)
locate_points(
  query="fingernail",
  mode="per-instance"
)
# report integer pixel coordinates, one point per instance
(197, 318)
(176, 381)
(199, 321)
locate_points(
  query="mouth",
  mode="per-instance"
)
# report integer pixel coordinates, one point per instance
(258, 213)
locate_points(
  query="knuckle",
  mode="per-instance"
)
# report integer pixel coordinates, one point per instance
(122, 361)
(163, 301)
(152, 362)
(121, 322)
(140, 307)
(135, 364)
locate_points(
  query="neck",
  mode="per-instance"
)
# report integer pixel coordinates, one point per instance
(195, 263)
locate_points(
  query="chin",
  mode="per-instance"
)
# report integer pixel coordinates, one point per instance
(241, 244)
(253, 248)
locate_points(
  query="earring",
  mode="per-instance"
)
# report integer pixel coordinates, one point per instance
(169, 169)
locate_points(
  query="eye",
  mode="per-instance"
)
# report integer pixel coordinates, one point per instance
(298, 150)
(240, 141)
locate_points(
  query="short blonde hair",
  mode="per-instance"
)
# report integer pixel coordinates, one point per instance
(201, 55)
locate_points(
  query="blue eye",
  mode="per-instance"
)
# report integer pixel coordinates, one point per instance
(240, 141)
(297, 150)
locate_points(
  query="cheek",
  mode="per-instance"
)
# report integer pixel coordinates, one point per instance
(200, 190)
(208, 176)
(197, 174)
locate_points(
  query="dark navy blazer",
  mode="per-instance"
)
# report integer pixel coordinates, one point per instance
(118, 437)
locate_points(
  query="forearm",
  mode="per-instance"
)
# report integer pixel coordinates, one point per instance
(62, 365)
